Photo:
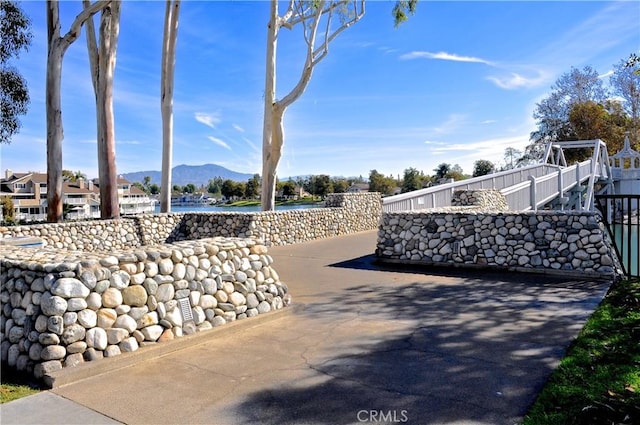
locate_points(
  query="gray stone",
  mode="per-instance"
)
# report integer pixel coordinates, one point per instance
(116, 335)
(77, 347)
(73, 360)
(45, 368)
(53, 305)
(72, 334)
(53, 352)
(69, 288)
(76, 304)
(55, 324)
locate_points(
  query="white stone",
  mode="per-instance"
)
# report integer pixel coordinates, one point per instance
(112, 351)
(96, 338)
(152, 333)
(68, 287)
(126, 322)
(116, 335)
(76, 304)
(128, 345)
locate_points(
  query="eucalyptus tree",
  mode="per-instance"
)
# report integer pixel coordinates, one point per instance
(625, 82)
(102, 62)
(169, 39)
(321, 21)
(57, 46)
(15, 33)
(552, 113)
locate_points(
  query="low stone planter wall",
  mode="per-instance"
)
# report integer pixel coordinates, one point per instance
(344, 213)
(61, 307)
(567, 243)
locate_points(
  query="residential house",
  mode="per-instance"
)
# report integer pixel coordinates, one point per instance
(28, 192)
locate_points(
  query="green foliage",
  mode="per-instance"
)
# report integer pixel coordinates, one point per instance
(412, 180)
(577, 88)
(14, 97)
(319, 185)
(189, 188)
(598, 382)
(8, 209)
(288, 189)
(402, 9)
(381, 184)
(482, 167)
(442, 170)
(252, 187)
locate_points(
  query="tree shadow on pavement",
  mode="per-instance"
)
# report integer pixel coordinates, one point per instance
(474, 350)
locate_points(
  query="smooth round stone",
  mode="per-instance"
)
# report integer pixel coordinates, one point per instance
(94, 301)
(53, 352)
(96, 338)
(111, 298)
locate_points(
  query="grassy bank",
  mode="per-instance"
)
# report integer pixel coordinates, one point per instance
(598, 381)
(16, 385)
(253, 203)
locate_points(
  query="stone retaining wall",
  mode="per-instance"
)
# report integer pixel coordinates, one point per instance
(61, 308)
(100, 288)
(344, 213)
(567, 243)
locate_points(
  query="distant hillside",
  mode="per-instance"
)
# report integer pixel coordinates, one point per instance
(196, 174)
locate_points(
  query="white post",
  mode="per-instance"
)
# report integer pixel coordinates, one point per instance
(533, 194)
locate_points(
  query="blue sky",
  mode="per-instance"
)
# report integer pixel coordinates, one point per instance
(458, 82)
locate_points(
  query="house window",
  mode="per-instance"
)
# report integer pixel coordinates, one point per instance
(43, 185)
(21, 186)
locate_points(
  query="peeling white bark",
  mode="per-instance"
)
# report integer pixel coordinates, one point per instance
(57, 46)
(102, 60)
(310, 15)
(166, 98)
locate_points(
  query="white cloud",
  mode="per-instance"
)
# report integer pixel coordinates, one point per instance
(219, 142)
(489, 121)
(515, 80)
(238, 128)
(444, 56)
(208, 119)
(453, 122)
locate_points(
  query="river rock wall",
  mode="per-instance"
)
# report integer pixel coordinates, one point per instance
(567, 243)
(61, 308)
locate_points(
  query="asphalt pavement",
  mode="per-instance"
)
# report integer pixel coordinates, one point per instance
(361, 343)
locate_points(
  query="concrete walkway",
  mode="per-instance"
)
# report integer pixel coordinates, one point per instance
(364, 345)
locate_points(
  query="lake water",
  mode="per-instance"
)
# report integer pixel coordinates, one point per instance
(622, 233)
(214, 208)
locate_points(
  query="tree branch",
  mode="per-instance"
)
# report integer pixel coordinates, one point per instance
(74, 31)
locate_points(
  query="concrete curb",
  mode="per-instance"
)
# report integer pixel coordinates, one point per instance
(66, 376)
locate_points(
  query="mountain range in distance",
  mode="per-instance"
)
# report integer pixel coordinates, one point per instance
(184, 174)
(199, 175)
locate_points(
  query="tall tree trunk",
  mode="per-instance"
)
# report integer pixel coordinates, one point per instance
(55, 132)
(270, 156)
(107, 173)
(57, 46)
(166, 99)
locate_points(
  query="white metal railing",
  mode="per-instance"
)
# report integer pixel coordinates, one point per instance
(524, 188)
(440, 196)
